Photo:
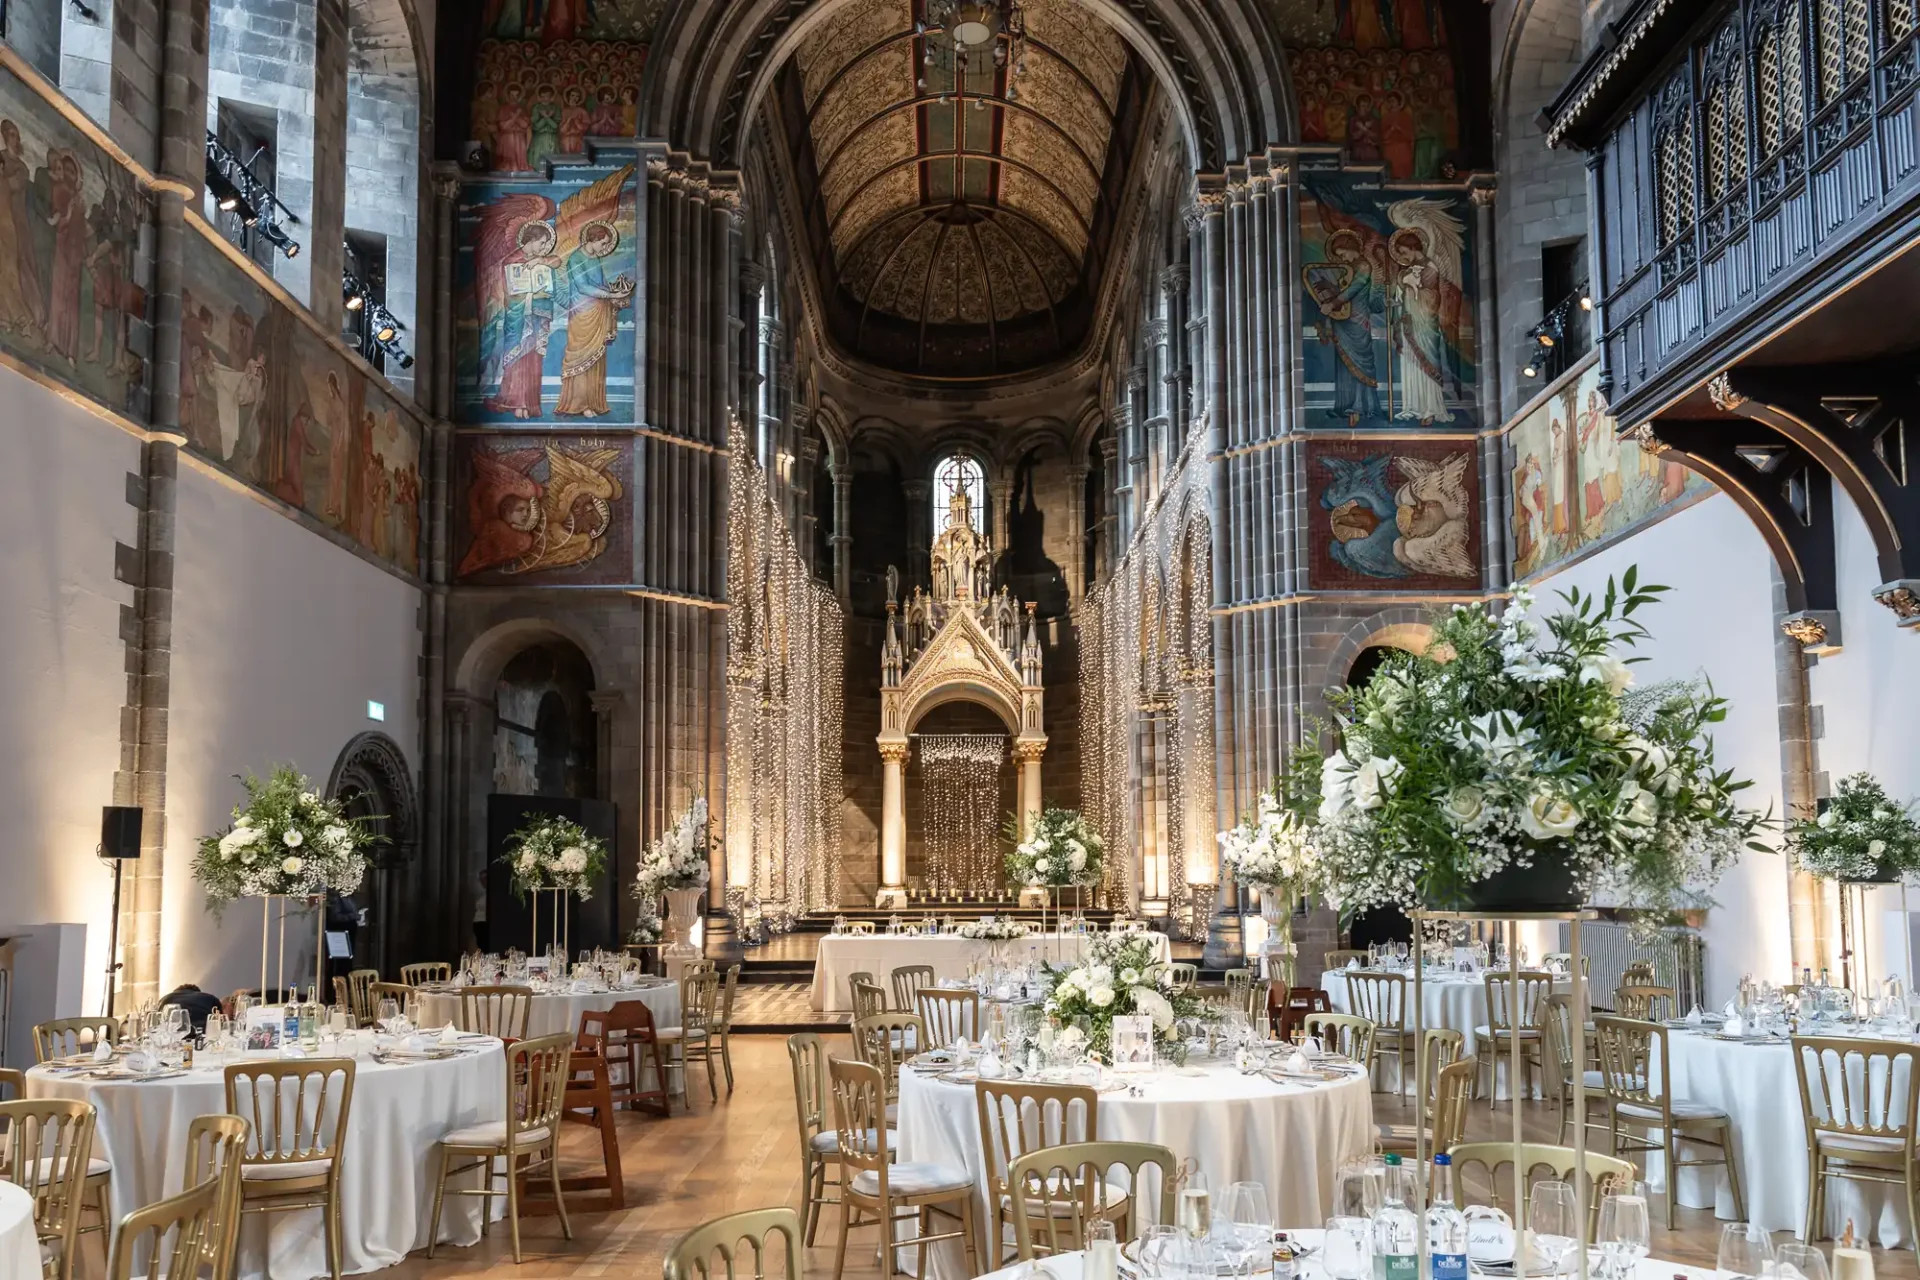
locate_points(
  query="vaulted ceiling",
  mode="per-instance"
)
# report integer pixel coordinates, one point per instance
(962, 220)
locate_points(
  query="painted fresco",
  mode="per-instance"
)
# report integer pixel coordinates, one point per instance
(534, 102)
(551, 508)
(1388, 286)
(1576, 483)
(1375, 77)
(545, 274)
(267, 399)
(1393, 515)
(70, 222)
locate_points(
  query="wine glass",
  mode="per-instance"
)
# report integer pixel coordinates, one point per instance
(1806, 1259)
(1554, 1216)
(1252, 1217)
(1159, 1245)
(1356, 1192)
(1624, 1234)
(389, 1012)
(1347, 1251)
(1745, 1252)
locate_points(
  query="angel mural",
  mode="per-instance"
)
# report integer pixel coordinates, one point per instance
(542, 268)
(519, 521)
(1388, 279)
(1421, 528)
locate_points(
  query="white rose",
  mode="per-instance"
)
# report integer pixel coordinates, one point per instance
(1466, 808)
(1078, 977)
(1129, 977)
(1876, 847)
(1101, 974)
(292, 866)
(1373, 781)
(1637, 806)
(1100, 997)
(293, 839)
(1826, 819)
(529, 860)
(1548, 816)
(1604, 668)
(1077, 858)
(1042, 865)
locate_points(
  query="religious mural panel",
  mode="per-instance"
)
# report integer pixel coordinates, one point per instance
(1393, 515)
(70, 220)
(544, 280)
(1387, 283)
(266, 398)
(1576, 483)
(1375, 77)
(551, 509)
(553, 73)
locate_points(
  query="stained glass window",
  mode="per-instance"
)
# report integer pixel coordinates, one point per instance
(958, 473)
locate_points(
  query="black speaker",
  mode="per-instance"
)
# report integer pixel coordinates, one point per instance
(120, 831)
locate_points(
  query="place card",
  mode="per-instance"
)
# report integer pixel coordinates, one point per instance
(1132, 1041)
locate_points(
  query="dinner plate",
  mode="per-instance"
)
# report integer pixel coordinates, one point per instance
(121, 1073)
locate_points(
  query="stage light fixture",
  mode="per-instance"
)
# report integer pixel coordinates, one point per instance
(226, 196)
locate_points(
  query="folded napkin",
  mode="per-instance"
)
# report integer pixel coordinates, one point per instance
(1695, 1017)
(1352, 962)
(103, 1051)
(1733, 1027)
(448, 1035)
(1729, 1011)
(1297, 1062)
(141, 1060)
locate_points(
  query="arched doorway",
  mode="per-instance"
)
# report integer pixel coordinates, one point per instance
(960, 791)
(544, 738)
(372, 782)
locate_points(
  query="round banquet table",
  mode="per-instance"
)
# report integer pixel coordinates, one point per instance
(1455, 1000)
(398, 1113)
(1239, 1128)
(880, 954)
(1756, 1085)
(1071, 1266)
(550, 1015)
(19, 1244)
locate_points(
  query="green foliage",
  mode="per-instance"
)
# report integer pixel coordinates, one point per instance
(1863, 835)
(286, 840)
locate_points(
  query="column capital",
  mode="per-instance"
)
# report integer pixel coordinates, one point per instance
(893, 752)
(1028, 750)
(606, 701)
(916, 490)
(753, 274)
(1173, 279)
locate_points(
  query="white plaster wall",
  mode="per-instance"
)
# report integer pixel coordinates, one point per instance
(62, 507)
(1717, 621)
(280, 639)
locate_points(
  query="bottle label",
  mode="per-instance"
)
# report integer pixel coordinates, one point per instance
(1396, 1266)
(1449, 1266)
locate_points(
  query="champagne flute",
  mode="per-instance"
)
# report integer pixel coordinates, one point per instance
(1554, 1218)
(1803, 1258)
(1745, 1252)
(1195, 1206)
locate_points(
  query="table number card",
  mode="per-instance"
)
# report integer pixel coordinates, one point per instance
(1132, 1043)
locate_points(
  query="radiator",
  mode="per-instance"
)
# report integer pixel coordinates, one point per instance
(1678, 956)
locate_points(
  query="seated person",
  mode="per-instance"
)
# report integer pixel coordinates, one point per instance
(196, 1002)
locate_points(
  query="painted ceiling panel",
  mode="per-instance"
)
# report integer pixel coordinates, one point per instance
(1003, 265)
(1051, 88)
(1034, 142)
(843, 35)
(865, 157)
(1093, 47)
(896, 192)
(1032, 196)
(868, 85)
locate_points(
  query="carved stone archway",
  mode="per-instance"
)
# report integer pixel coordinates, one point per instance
(373, 781)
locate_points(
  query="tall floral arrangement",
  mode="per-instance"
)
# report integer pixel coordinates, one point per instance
(1119, 975)
(553, 853)
(1862, 835)
(1273, 850)
(677, 859)
(1062, 850)
(1516, 744)
(285, 840)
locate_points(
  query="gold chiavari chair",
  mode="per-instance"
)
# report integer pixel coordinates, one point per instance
(1018, 1119)
(907, 981)
(1185, 976)
(1558, 1025)
(723, 1023)
(1514, 1012)
(1071, 1185)
(426, 971)
(1604, 1175)
(692, 1257)
(1633, 1059)
(869, 998)
(870, 1180)
(527, 1141)
(1381, 998)
(1443, 1050)
(693, 1040)
(398, 992)
(1446, 1113)
(860, 929)
(1338, 959)
(298, 1111)
(496, 1011)
(62, 1130)
(1239, 984)
(1343, 1033)
(1638, 974)
(170, 1235)
(1644, 1003)
(949, 1013)
(857, 978)
(1563, 960)
(216, 1150)
(884, 1041)
(819, 1144)
(1859, 1102)
(354, 993)
(65, 1037)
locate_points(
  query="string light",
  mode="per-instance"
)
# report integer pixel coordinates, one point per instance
(961, 775)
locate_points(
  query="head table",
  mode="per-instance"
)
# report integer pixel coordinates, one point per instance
(880, 954)
(398, 1114)
(554, 1013)
(1240, 1128)
(19, 1245)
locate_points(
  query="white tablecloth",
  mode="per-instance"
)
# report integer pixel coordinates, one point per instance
(553, 1014)
(1756, 1086)
(949, 954)
(19, 1246)
(1068, 1266)
(1458, 1002)
(399, 1112)
(1239, 1128)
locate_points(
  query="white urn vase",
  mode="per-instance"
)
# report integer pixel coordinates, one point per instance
(683, 916)
(1277, 951)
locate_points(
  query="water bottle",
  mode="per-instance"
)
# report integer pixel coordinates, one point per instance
(1446, 1225)
(1396, 1232)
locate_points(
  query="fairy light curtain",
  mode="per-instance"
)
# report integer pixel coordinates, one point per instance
(960, 777)
(786, 639)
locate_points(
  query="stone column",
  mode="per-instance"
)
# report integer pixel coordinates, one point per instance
(919, 537)
(1139, 413)
(803, 495)
(1077, 532)
(1808, 928)
(1110, 517)
(1173, 284)
(893, 825)
(1027, 756)
(999, 490)
(1126, 509)
(842, 540)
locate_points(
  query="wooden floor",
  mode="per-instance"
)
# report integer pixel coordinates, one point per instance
(744, 1154)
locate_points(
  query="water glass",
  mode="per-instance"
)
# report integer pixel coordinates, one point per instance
(1745, 1252)
(389, 1012)
(1252, 1217)
(1554, 1217)
(1804, 1259)
(1359, 1187)
(1624, 1233)
(1159, 1251)
(1347, 1251)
